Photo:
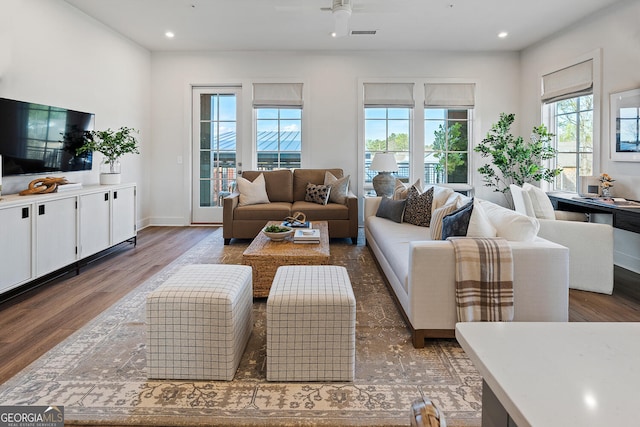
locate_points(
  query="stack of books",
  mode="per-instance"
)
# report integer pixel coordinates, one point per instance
(306, 235)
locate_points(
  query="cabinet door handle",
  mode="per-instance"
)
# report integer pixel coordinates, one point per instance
(25, 213)
(106, 197)
(115, 194)
(41, 210)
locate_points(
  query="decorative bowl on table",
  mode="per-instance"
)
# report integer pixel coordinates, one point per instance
(277, 232)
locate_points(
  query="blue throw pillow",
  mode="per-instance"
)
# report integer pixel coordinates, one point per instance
(457, 222)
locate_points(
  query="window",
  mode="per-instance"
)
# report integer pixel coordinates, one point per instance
(388, 115)
(573, 119)
(447, 132)
(446, 148)
(278, 125)
(387, 130)
(569, 106)
(278, 136)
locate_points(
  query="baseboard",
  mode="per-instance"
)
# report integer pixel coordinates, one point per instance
(626, 261)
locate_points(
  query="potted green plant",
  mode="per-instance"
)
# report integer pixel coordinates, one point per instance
(113, 144)
(513, 160)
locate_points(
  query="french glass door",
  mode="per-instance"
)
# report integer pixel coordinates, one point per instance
(216, 115)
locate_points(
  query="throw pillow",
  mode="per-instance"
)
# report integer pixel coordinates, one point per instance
(457, 222)
(440, 196)
(339, 187)
(391, 209)
(252, 193)
(511, 225)
(417, 210)
(317, 194)
(401, 189)
(542, 206)
(479, 223)
(436, 220)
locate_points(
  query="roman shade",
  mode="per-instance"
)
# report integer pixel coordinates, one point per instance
(449, 95)
(388, 95)
(570, 82)
(277, 95)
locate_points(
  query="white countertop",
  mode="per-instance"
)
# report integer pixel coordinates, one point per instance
(559, 374)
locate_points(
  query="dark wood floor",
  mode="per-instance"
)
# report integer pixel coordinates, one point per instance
(34, 322)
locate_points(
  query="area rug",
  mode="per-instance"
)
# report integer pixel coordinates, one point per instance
(99, 373)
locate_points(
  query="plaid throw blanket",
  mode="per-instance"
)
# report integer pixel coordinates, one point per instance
(484, 279)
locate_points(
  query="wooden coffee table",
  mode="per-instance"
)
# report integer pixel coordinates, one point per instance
(265, 256)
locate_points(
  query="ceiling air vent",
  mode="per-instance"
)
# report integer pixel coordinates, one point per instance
(364, 32)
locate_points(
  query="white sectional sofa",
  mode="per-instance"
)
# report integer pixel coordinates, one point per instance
(420, 272)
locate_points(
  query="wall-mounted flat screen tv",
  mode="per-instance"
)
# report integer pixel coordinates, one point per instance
(37, 138)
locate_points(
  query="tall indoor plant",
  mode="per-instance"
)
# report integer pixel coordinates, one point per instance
(113, 144)
(514, 160)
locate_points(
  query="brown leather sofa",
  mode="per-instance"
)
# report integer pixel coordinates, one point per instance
(286, 191)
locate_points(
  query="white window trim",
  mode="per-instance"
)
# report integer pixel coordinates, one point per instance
(549, 121)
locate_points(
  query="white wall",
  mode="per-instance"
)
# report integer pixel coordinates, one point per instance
(330, 110)
(50, 53)
(615, 33)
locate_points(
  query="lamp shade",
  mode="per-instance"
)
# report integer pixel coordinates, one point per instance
(384, 162)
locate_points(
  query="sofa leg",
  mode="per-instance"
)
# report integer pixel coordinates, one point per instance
(418, 339)
(354, 240)
(227, 241)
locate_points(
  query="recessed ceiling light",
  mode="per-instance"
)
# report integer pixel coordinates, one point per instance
(503, 34)
(169, 35)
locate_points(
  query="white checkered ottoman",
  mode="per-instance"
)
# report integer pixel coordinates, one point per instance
(311, 324)
(199, 322)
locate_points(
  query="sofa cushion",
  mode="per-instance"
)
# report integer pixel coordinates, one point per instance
(339, 187)
(436, 219)
(279, 184)
(268, 212)
(542, 207)
(511, 225)
(317, 194)
(417, 210)
(393, 240)
(301, 177)
(479, 223)
(391, 209)
(457, 222)
(252, 192)
(316, 212)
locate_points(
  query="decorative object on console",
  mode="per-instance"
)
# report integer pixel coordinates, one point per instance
(113, 145)
(384, 164)
(515, 161)
(43, 185)
(606, 184)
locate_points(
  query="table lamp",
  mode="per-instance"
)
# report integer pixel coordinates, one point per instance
(384, 164)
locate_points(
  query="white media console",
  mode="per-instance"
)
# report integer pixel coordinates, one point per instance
(40, 234)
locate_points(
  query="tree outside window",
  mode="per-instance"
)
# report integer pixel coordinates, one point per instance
(387, 130)
(446, 158)
(574, 140)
